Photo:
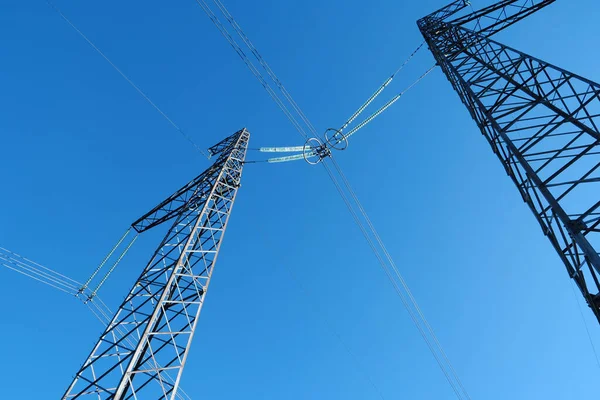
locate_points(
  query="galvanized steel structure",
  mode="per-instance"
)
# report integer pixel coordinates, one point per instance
(142, 352)
(541, 122)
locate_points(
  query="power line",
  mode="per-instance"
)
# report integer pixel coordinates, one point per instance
(35, 278)
(137, 89)
(392, 281)
(67, 285)
(37, 272)
(264, 64)
(428, 330)
(298, 110)
(240, 52)
(39, 266)
(423, 327)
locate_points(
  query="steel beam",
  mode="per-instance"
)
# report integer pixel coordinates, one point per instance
(541, 122)
(142, 352)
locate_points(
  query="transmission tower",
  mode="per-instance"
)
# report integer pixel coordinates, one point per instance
(541, 122)
(142, 352)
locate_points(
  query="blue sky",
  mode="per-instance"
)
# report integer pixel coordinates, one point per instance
(83, 155)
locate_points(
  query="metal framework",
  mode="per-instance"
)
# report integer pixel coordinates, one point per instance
(142, 352)
(540, 120)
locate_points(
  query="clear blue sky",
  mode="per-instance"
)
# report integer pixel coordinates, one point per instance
(83, 155)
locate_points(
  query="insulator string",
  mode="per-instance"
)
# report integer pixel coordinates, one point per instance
(108, 256)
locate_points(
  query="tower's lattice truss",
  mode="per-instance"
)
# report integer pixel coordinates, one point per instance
(540, 120)
(142, 352)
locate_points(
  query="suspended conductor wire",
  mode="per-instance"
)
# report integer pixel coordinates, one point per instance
(18, 266)
(248, 63)
(240, 52)
(414, 317)
(41, 267)
(405, 286)
(44, 281)
(449, 372)
(392, 281)
(237, 48)
(137, 89)
(340, 137)
(65, 284)
(264, 64)
(37, 272)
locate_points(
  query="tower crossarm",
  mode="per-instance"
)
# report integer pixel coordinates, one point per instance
(142, 352)
(190, 195)
(498, 16)
(542, 122)
(444, 13)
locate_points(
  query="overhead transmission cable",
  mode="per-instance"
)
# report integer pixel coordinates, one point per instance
(273, 95)
(271, 74)
(47, 276)
(426, 329)
(70, 286)
(391, 279)
(343, 136)
(38, 272)
(414, 312)
(264, 64)
(240, 52)
(411, 304)
(336, 140)
(133, 85)
(339, 137)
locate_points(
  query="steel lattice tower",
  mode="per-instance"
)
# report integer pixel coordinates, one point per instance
(142, 352)
(540, 120)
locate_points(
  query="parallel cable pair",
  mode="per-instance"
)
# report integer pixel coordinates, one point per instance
(338, 140)
(38, 272)
(57, 280)
(409, 301)
(394, 275)
(399, 284)
(299, 128)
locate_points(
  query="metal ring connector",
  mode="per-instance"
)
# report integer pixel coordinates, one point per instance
(335, 139)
